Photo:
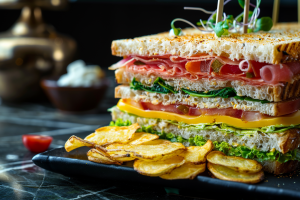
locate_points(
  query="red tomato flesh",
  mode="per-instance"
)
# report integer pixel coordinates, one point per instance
(37, 143)
(193, 111)
(230, 69)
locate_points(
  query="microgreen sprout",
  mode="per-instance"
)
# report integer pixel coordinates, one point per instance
(228, 23)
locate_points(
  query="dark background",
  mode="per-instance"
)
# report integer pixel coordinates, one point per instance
(95, 23)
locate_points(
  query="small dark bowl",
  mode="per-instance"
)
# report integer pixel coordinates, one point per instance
(74, 99)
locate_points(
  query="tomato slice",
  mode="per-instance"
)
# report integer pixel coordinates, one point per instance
(36, 143)
(230, 69)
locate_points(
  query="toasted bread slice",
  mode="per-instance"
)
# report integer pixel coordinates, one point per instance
(273, 93)
(275, 46)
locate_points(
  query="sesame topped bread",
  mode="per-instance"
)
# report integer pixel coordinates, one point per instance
(274, 47)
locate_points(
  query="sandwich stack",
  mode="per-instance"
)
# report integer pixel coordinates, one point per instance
(240, 91)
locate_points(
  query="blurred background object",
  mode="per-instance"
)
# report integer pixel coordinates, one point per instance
(79, 91)
(31, 49)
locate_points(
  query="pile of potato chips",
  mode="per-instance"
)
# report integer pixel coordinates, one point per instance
(156, 157)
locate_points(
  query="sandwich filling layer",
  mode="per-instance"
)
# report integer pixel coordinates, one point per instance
(259, 146)
(210, 66)
(204, 102)
(272, 93)
(266, 125)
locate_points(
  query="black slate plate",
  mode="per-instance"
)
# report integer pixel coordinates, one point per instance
(75, 163)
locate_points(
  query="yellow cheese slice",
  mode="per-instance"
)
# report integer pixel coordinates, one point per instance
(286, 120)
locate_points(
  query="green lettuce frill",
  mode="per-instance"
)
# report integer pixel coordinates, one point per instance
(224, 147)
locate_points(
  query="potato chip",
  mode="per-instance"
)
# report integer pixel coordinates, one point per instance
(158, 141)
(112, 134)
(186, 171)
(119, 154)
(122, 156)
(97, 156)
(196, 154)
(75, 142)
(228, 174)
(236, 163)
(149, 152)
(158, 168)
(124, 159)
(142, 137)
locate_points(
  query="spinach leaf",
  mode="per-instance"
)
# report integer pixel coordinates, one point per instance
(224, 93)
(159, 86)
(162, 83)
(251, 99)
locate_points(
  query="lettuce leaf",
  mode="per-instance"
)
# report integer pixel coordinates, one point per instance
(225, 128)
(224, 147)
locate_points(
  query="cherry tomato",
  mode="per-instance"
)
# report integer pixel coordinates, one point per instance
(37, 143)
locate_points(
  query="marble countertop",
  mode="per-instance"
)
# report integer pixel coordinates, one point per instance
(20, 178)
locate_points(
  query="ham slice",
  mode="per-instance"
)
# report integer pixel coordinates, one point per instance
(294, 67)
(198, 67)
(256, 66)
(126, 61)
(276, 73)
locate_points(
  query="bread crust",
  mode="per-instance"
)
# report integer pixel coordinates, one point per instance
(277, 168)
(273, 93)
(276, 46)
(290, 140)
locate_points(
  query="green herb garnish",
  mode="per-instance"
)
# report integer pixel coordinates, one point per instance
(230, 23)
(176, 31)
(263, 24)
